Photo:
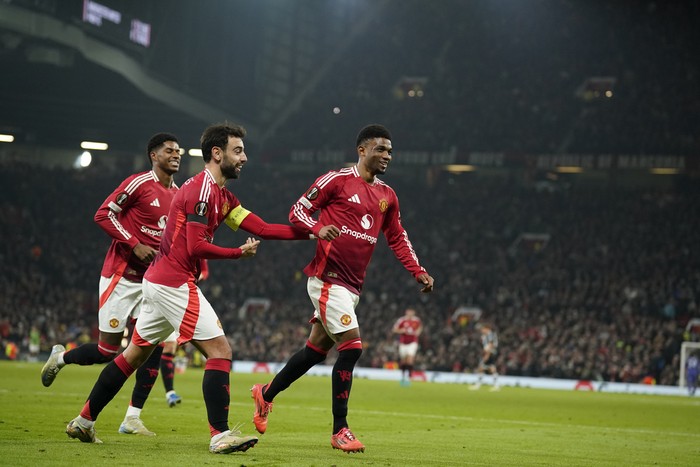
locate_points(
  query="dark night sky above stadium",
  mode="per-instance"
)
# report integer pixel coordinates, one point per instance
(281, 67)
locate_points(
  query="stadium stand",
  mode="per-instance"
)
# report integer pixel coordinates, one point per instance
(607, 297)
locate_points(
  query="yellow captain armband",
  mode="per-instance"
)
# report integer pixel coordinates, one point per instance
(236, 216)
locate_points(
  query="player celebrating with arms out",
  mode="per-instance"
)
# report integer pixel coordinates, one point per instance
(172, 299)
(363, 207)
(409, 327)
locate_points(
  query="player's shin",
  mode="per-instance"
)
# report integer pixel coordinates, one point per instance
(106, 387)
(91, 353)
(215, 387)
(342, 384)
(296, 367)
(167, 370)
(146, 377)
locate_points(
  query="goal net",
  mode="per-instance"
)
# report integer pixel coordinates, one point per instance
(687, 349)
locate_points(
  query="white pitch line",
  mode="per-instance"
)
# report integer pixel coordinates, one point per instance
(433, 416)
(499, 420)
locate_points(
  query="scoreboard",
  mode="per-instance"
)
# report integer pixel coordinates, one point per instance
(126, 24)
(117, 23)
(109, 18)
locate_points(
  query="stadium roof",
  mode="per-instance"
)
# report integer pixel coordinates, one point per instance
(77, 69)
(496, 76)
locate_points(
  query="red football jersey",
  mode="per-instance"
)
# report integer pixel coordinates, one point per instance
(409, 328)
(135, 212)
(361, 211)
(201, 196)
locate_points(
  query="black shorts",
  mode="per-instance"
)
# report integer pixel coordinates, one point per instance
(491, 361)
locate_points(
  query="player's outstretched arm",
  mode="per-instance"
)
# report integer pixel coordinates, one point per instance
(255, 225)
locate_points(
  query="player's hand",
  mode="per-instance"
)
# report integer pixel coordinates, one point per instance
(249, 248)
(329, 232)
(427, 281)
(145, 253)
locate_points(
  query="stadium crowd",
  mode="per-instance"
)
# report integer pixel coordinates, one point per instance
(603, 294)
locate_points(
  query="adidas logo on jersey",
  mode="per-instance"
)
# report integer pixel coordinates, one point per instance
(354, 199)
(155, 203)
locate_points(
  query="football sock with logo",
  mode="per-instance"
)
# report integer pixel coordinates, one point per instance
(167, 371)
(342, 383)
(91, 353)
(296, 367)
(217, 396)
(108, 384)
(146, 377)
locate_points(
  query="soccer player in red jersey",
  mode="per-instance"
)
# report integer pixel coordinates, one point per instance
(408, 327)
(134, 216)
(355, 206)
(172, 299)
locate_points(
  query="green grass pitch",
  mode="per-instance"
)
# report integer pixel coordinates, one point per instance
(425, 424)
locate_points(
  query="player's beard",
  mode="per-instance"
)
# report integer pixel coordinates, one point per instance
(229, 170)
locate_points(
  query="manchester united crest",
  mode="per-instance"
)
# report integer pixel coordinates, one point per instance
(345, 320)
(383, 205)
(225, 209)
(113, 323)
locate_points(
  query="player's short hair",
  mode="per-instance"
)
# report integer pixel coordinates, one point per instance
(218, 135)
(157, 141)
(372, 131)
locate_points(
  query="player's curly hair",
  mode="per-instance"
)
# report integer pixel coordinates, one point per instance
(372, 131)
(218, 135)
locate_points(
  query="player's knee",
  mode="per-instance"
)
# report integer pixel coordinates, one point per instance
(106, 357)
(313, 355)
(105, 352)
(350, 355)
(351, 349)
(218, 347)
(222, 354)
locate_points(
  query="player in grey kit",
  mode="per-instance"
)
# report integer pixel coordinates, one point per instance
(489, 344)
